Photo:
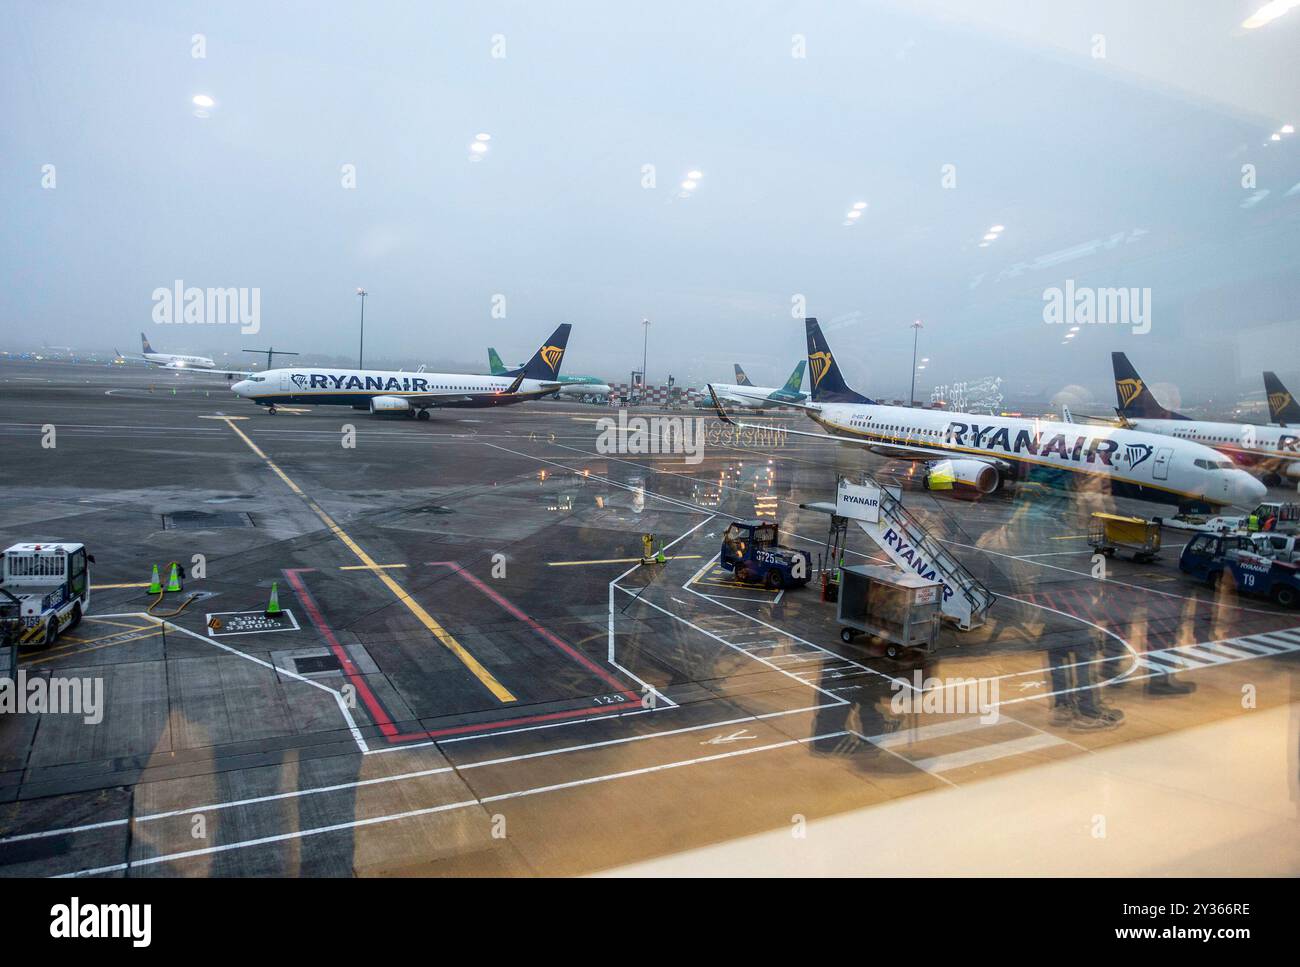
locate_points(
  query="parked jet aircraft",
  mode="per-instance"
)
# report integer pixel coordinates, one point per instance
(168, 360)
(1274, 451)
(404, 392)
(977, 453)
(746, 394)
(580, 386)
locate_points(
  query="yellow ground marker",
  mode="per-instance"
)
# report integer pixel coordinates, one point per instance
(110, 587)
(438, 631)
(58, 650)
(363, 567)
(615, 560)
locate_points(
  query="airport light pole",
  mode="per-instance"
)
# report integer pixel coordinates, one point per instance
(361, 350)
(911, 393)
(645, 345)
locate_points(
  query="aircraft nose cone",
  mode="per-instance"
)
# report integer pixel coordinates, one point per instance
(1249, 491)
(240, 388)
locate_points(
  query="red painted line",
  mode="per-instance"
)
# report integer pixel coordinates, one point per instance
(527, 619)
(377, 711)
(380, 715)
(598, 712)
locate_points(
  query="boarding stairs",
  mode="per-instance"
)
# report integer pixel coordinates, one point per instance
(912, 548)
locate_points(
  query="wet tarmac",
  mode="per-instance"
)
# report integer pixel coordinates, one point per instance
(477, 676)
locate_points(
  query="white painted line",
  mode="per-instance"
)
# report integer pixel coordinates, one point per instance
(723, 641)
(987, 753)
(923, 733)
(293, 794)
(63, 831)
(338, 697)
(445, 807)
(1275, 641)
(999, 750)
(1124, 584)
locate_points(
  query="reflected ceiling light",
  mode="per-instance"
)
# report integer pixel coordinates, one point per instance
(1268, 13)
(1074, 329)
(694, 175)
(990, 237)
(854, 214)
(478, 147)
(984, 244)
(859, 205)
(996, 228)
(688, 185)
(202, 100)
(1069, 335)
(1275, 136)
(1288, 129)
(482, 137)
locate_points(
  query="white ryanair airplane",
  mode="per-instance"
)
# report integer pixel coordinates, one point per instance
(169, 360)
(967, 451)
(1272, 450)
(744, 393)
(413, 394)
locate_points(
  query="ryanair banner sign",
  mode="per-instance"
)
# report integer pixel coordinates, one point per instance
(858, 501)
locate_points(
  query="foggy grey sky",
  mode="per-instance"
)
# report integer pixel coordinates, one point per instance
(1060, 147)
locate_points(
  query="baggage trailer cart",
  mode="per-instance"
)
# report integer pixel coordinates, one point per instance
(1108, 533)
(900, 608)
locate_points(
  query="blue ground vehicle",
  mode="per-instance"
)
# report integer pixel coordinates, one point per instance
(751, 551)
(1231, 562)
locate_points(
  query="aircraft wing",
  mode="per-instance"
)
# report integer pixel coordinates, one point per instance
(443, 399)
(759, 398)
(902, 451)
(228, 373)
(1070, 416)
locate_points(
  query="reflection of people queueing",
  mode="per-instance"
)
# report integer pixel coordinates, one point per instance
(1076, 698)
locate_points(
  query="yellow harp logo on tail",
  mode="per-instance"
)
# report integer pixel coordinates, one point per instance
(821, 364)
(551, 356)
(1278, 401)
(1128, 390)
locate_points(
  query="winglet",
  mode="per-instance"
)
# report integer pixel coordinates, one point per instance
(717, 405)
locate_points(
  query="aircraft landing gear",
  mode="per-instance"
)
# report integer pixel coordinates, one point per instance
(270, 410)
(422, 415)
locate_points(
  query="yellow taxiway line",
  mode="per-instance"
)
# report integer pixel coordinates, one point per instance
(438, 631)
(52, 656)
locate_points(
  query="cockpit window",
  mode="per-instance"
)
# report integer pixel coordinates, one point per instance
(1215, 464)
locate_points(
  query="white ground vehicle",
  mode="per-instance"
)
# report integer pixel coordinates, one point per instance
(44, 592)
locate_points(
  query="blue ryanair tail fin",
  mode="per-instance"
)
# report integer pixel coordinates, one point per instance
(545, 364)
(1133, 399)
(1282, 407)
(741, 378)
(824, 377)
(144, 344)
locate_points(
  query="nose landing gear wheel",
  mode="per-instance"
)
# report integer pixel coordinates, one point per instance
(422, 415)
(270, 410)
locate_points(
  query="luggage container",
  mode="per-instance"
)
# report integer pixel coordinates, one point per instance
(901, 609)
